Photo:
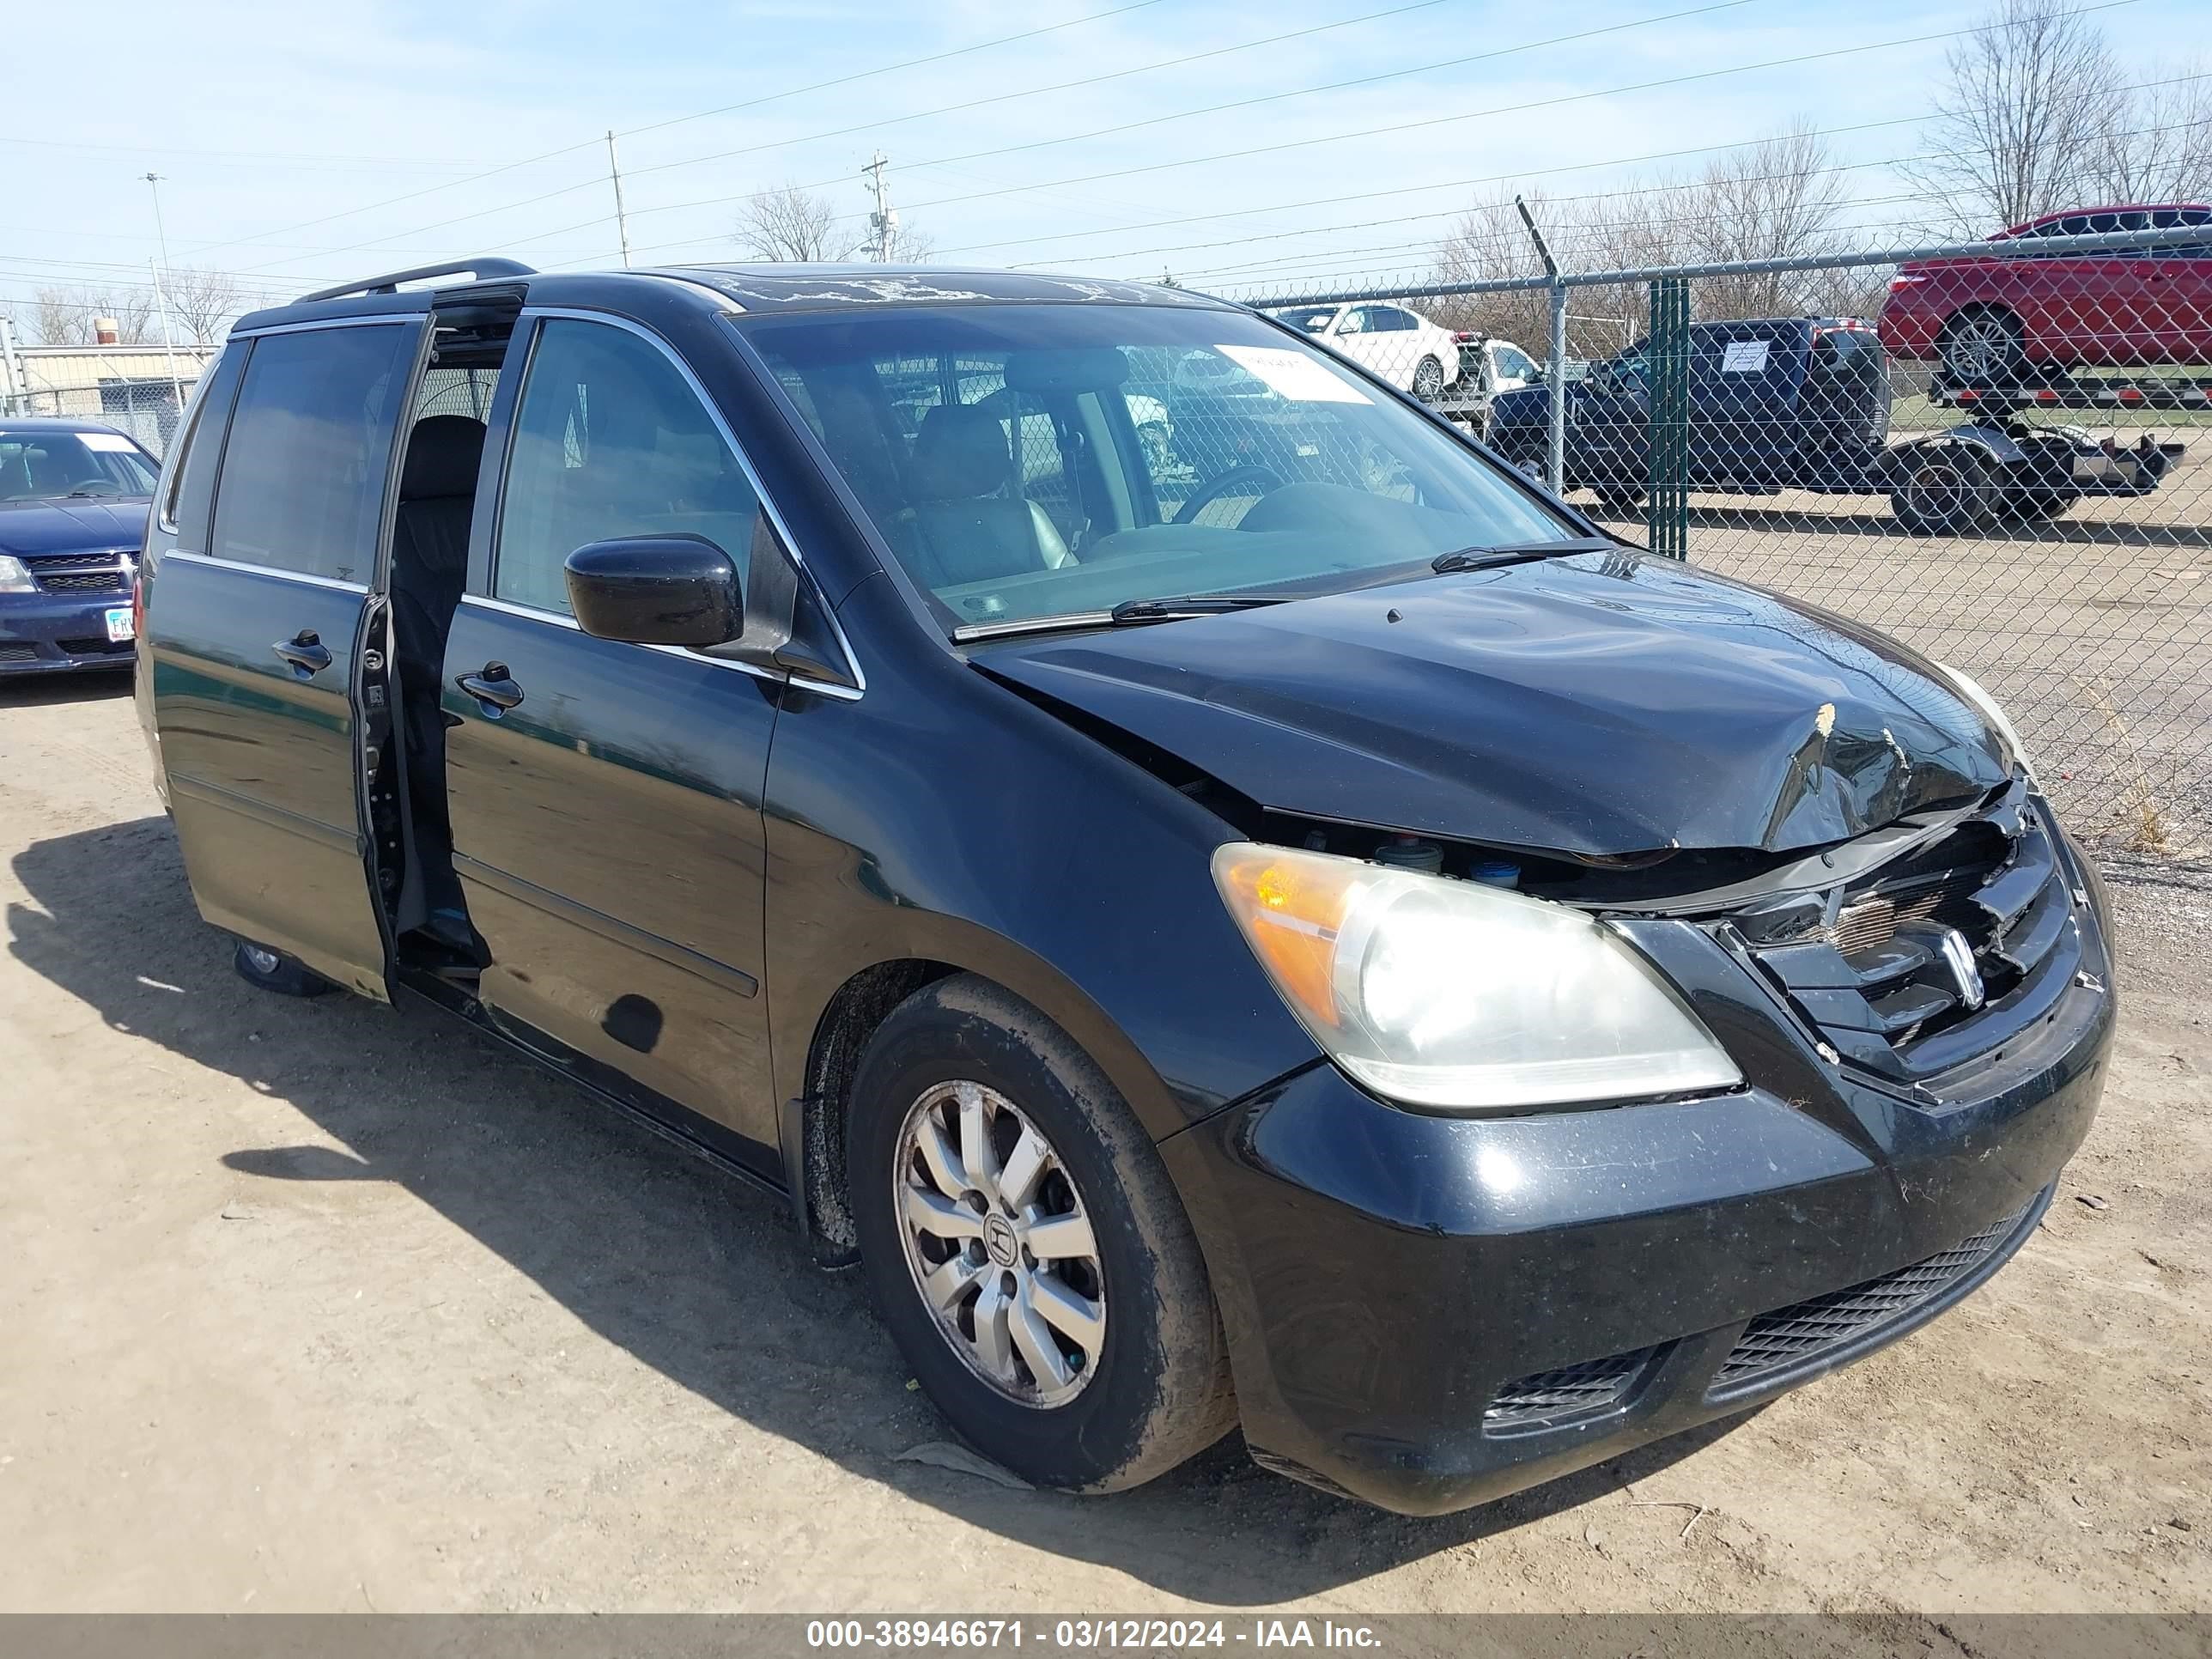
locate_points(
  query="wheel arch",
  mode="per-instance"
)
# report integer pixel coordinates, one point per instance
(840, 1030)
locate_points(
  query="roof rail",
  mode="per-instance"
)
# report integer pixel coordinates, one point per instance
(390, 282)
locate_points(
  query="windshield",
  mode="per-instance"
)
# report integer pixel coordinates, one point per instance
(53, 465)
(1043, 460)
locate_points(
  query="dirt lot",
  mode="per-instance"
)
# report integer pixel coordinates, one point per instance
(313, 1306)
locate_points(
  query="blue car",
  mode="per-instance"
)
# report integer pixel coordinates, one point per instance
(73, 500)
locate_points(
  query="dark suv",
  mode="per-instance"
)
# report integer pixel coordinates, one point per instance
(1314, 935)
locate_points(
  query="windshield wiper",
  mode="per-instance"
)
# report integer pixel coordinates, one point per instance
(1489, 558)
(1190, 605)
(1128, 614)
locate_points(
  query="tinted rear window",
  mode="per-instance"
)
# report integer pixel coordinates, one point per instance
(303, 474)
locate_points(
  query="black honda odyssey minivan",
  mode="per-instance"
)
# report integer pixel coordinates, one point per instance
(1232, 906)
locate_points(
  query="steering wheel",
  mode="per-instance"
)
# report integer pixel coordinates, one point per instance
(95, 487)
(1214, 489)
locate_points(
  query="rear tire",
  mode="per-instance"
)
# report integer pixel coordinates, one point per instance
(1428, 380)
(965, 1086)
(1982, 347)
(1951, 491)
(271, 971)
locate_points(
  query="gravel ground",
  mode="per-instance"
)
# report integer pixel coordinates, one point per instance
(315, 1306)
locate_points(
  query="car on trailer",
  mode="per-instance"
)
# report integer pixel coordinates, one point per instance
(1997, 319)
(1336, 944)
(1803, 403)
(1487, 365)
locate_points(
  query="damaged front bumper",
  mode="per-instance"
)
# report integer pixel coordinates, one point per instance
(1428, 1312)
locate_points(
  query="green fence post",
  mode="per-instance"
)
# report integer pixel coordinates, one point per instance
(1667, 481)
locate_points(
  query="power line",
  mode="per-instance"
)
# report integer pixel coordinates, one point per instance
(1368, 132)
(286, 157)
(1062, 86)
(1444, 120)
(638, 172)
(1643, 189)
(911, 63)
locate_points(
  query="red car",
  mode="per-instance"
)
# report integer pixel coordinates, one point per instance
(1990, 321)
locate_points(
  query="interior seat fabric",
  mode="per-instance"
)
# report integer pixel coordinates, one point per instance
(968, 530)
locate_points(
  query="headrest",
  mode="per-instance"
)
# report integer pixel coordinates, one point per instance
(961, 452)
(443, 453)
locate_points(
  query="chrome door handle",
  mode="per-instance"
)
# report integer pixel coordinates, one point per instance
(494, 688)
(307, 655)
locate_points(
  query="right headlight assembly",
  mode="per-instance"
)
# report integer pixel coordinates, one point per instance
(1455, 996)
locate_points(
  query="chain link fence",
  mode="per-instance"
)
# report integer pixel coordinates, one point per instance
(2000, 452)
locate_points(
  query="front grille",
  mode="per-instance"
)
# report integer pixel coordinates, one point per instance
(82, 581)
(15, 651)
(97, 647)
(1902, 971)
(1801, 1334)
(78, 572)
(1569, 1391)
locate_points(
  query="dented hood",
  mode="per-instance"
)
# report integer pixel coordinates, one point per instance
(1598, 703)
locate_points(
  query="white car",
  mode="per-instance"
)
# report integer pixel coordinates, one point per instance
(1402, 346)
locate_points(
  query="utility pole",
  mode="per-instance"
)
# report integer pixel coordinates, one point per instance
(621, 218)
(884, 222)
(16, 398)
(160, 294)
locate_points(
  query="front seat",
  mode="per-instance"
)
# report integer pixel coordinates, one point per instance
(430, 567)
(968, 531)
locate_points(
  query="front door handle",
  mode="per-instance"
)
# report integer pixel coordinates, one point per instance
(307, 654)
(494, 688)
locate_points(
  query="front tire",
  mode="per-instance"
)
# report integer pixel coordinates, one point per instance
(1024, 1243)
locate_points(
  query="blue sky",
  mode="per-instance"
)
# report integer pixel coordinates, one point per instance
(283, 144)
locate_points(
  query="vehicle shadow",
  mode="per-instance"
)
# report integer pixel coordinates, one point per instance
(696, 1275)
(44, 691)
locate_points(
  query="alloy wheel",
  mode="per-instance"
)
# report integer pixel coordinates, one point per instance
(1981, 348)
(999, 1243)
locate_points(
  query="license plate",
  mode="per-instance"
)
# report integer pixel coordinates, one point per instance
(119, 624)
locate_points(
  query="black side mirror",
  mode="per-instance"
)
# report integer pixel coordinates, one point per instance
(656, 590)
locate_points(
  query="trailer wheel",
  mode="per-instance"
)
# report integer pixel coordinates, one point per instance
(1952, 491)
(1982, 348)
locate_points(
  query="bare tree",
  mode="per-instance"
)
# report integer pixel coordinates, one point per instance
(1489, 243)
(910, 246)
(204, 303)
(2027, 110)
(1775, 199)
(787, 224)
(66, 314)
(2157, 145)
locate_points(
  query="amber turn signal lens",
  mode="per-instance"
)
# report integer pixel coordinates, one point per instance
(1291, 912)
